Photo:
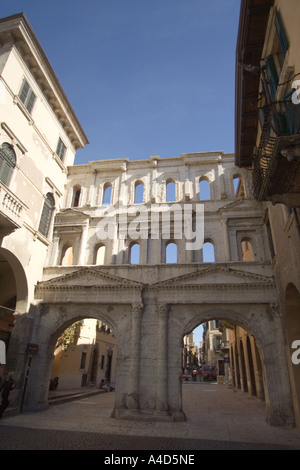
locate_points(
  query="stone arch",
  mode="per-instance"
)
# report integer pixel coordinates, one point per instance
(99, 254)
(67, 255)
(170, 190)
(54, 319)
(204, 189)
(19, 277)
(139, 190)
(238, 186)
(134, 253)
(277, 392)
(76, 196)
(107, 194)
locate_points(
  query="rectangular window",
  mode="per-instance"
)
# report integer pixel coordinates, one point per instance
(61, 149)
(83, 360)
(102, 362)
(27, 96)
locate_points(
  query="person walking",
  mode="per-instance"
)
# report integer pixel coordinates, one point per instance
(6, 388)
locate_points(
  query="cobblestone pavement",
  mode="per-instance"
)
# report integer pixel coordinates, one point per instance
(217, 418)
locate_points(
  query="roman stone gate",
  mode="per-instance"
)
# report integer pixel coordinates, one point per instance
(151, 302)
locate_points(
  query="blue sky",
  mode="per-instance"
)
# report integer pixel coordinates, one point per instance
(145, 77)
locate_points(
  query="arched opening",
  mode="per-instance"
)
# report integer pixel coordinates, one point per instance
(76, 196)
(13, 298)
(170, 191)
(208, 252)
(107, 194)
(247, 249)
(100, 255)
(7, 162)
(134, 253)
(204, 189)
(67, 255)
(221, 356)
(171, 252)
(84, 358)
(238, 187)
(138, 193)
(292, 320)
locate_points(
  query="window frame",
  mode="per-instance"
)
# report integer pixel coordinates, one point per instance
(61, 149)
(27, 96)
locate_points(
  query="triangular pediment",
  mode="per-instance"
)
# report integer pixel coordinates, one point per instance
(88, 277)
(71, 213)
(216, 276)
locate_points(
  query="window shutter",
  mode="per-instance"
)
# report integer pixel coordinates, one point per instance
(284, 43)
(30, 101)
(27, 96)
(61, 149)
(24, 91)
(46, 215)
(272, 75)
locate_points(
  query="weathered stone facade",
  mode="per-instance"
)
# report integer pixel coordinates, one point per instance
(150, 306)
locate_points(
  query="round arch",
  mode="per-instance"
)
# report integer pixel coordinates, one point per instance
(272, 358)
(18, 276)
(54, 321)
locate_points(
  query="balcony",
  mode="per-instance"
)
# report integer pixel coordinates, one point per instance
(11, 211)
(276, 172)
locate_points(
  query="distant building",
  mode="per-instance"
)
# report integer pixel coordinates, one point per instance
(85, 355)
(39, 136)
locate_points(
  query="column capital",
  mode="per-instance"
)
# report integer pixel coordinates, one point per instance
(137, 309)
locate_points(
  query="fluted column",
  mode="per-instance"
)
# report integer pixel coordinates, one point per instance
(134, 372)
(162, 358)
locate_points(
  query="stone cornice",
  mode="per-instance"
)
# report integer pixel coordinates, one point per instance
(211, 278)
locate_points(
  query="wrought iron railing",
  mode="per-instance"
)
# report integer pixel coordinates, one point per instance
(279, 119)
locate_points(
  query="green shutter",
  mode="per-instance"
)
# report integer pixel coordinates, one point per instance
(272, 75)
(27, 96)
(284, 43)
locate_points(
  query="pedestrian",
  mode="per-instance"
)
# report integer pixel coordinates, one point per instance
(194, 375)
(6, 389)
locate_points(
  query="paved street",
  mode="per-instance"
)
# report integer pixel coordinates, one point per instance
(217, 418)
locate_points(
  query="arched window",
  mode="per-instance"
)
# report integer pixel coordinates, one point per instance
(67, 256)
(134, 255)
(107, 194)
(208, 252)
(204, 191)
(7, 163)
(138, 193)
(46, 216)
(76, 196)
(238, 186)
(171, 253)
(247, 249)
(100, 255)
(170, 191)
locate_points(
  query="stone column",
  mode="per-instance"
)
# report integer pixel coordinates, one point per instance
(162, 403)
(132, 401)
(83, 239)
